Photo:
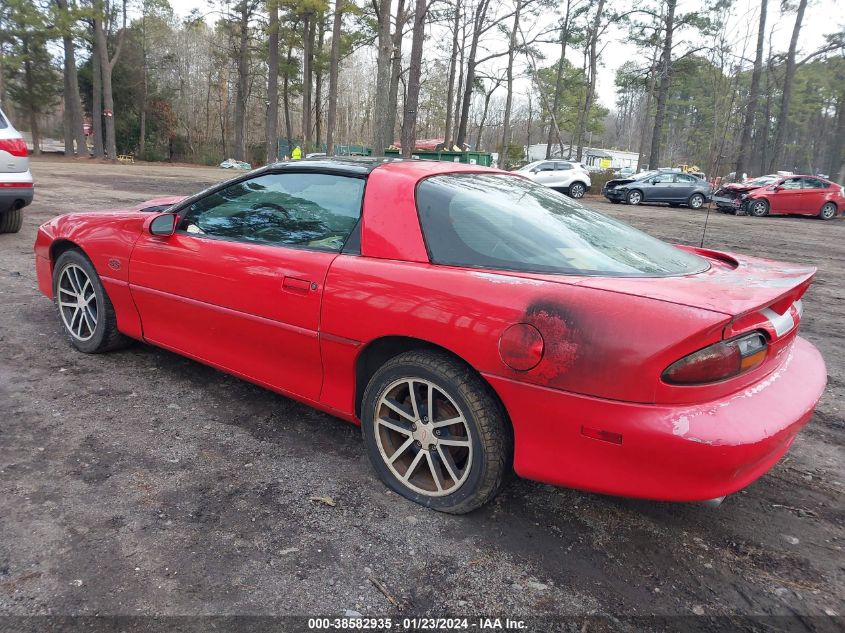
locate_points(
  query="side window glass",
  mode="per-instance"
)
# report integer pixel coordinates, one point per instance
(293, 209)
(814, 183)
(547, 166)
(664, 178)
(564, 166)
(791, 183)
(685, 178)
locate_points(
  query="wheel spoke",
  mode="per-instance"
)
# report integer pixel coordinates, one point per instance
(413, 466)
(77, 312)
(448, 422)
(435, 472)
(401, 450)
(448, 462)
(88, 322)
(454, 442)
(90, 313)
(413, 397)
(395, 425)
(430, 404)
(395, 407)
(77, 281)
(67, 292)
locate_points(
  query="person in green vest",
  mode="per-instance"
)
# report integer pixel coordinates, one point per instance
(296, 154)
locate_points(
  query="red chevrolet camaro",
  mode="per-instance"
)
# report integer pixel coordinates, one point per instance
(470, 320)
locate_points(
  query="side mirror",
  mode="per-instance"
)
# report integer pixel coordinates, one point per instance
(778, 188)
(163, 225)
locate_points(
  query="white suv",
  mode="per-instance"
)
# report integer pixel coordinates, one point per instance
(561, 175)
(16, 187)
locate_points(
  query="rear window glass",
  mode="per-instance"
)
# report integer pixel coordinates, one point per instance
(3, 123)
(506, 222)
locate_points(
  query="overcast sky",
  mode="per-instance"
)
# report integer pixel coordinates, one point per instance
(822, 17)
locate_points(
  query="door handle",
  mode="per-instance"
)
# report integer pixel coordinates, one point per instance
(295, 284)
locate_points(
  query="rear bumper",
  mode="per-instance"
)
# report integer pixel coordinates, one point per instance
(11, 194)
(671, 453)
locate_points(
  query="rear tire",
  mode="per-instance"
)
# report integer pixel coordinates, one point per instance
(452, 468)
(696, 201)
(11, 221)
(828, 211)
(758, 208)
(87, 316)
(634, 197)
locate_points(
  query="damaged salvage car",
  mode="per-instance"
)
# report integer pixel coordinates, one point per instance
(670, 187)
(471, 321)
(730, 198)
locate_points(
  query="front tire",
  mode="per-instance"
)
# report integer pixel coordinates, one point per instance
(84, 309)
(577, 190)
(758, 208)
(828, 211)
(435, 433)
(11, 220)
(634, 197)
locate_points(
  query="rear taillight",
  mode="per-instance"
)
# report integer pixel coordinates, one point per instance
(15, 146)
(723, 360)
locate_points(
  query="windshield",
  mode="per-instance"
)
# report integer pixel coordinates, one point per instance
(530, 166)
(510, 223)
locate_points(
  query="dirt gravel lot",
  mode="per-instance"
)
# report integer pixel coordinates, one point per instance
(140, 482)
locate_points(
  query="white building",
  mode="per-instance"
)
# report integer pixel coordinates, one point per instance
(591, 156)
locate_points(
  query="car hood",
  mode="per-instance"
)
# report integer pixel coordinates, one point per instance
(619, 181)
(740, 187)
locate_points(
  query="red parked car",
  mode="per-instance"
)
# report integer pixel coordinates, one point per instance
(797, 195)
(470, 320)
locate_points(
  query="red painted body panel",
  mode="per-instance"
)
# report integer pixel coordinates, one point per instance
(297, 321)
(672, 453)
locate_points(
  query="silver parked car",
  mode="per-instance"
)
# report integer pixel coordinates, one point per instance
(561, 175)
(16, 187)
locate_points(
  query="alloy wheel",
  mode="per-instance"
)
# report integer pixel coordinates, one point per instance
(634, 197)
(576, 191)
(696, 201)
(759, 209)
(77, 302)
(423, 437)
(828, 211)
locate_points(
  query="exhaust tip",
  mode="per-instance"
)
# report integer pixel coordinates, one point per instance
(713, 503)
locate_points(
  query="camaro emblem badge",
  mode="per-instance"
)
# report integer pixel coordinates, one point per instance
(114, 264)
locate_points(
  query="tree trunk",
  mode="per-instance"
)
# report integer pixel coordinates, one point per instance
(395, 72)
(478, 22)
(243, 80)
(591, 86)
(783, 114)
(409, 120)
(318, 86)
(271, 131)
(334, 66)
(106, 67)
(837, 156)
(553, 126)
(30, 89)
(753, 97)
(286, 95)
(383, 69)
(665, 82)
(450, 87)
(74, 130)
(308, 34)
(484, 111)
(506, 120)
(97, 98)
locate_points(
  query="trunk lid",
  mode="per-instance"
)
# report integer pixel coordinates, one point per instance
(733, 285)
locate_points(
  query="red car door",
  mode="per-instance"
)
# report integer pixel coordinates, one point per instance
(239, 284)
(787, 197)
(814, 195)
